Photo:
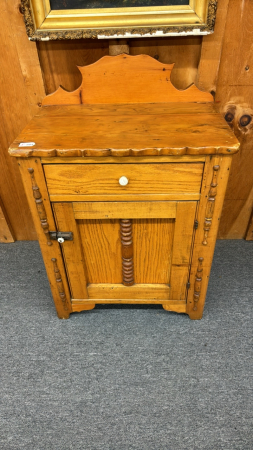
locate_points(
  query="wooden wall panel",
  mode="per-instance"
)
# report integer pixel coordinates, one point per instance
(211, 51)
(59, 58)
(59, 61)
(183, 51)
(249, 235)
(6, 233)
(234, 87)
(221, 62)
(21, 88)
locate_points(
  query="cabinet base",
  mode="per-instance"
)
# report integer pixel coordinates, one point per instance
(169, 305)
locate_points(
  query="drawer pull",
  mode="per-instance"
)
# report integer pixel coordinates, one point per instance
(123, 181)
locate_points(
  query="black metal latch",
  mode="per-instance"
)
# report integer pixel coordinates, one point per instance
(61, 236)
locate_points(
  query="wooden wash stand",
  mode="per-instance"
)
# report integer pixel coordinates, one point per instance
(125, 178)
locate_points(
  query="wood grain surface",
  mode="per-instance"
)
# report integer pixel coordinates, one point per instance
(59, 59)
(178, 306)
(234, 93)
(137, 291)
(118, 46)
(211, 48)
(72, 250)
(22, 91)
(182, 246)
(100, 240)
(206, 251)
(153, 240)
(160, 252)
(126, 79)
(6, 233)
(102, 179)
(49, 252)
(183, 51)
(124, 210)
(249, 235)
(69, 131)
(123, 160)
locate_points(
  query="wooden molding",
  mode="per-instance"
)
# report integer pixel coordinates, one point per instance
(40, 206)
(178, 306)
(127, 252)
(197, 284)
(48, 251)
(210, 204)
(60, 286)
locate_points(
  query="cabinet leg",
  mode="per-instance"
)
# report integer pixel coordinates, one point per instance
(196, 315)
(63, 316)
(62, 307)
(195, 306)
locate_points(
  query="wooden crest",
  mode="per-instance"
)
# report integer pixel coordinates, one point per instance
(126, 79)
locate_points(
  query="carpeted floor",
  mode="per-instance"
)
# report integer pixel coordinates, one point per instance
(123, 378)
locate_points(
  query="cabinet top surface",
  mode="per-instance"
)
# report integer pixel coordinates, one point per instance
(126, 130)
(126, 106)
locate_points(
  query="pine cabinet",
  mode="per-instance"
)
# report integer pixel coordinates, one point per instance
(126, 178)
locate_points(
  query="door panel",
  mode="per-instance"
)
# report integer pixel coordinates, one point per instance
(161, 249)
(100, 240)
(72, 250)
(182, 244)
(152, 246)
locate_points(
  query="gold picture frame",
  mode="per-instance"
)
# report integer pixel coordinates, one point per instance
(43, 23)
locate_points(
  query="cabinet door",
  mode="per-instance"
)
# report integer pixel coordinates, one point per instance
(132, 252)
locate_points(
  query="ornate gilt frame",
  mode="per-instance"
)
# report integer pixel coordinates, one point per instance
(42, 23)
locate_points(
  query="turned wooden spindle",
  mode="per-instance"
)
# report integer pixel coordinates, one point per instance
(60, 284)
(127, 252)
(210, 204)
(118, 46)
(40, 206)
(197, 284)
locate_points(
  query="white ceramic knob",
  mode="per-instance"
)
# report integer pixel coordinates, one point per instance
(123, 181)
(60, 240)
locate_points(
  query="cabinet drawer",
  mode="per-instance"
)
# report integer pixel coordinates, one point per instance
(103, 179)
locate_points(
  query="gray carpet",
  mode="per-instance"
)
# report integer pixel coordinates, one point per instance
(122, 378)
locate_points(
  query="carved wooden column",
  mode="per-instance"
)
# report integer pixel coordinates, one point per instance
(60, 284)
(40, 206)
(197, 284)
(210, 204)
(127, 252)
(118, 46)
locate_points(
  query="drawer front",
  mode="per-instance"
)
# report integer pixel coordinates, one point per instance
(104, 179)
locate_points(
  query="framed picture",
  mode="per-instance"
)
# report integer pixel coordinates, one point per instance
(75, 19)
